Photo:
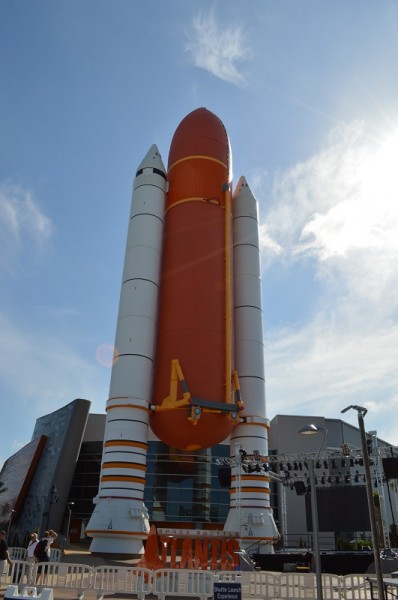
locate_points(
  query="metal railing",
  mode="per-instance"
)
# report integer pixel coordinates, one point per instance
(182, 583)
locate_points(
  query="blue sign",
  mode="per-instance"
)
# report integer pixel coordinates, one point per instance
(227, 590)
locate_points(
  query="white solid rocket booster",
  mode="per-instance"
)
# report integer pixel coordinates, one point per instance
(250, 494)
(119, 522)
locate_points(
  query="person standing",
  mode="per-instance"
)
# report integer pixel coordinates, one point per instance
(30, 555)
(30, 552)
(4, 554)
(45, 552)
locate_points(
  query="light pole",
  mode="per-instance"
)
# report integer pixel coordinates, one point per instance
(311, 430)
(9, 524)
(372, 513)
(69, 505)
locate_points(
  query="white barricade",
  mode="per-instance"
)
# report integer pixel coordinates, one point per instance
(259, 584)
(64, 575)
(17, 553)
(297, 585)
(354, 587)
(129, 580)
(184, 583)
(27, 592)
(18, 572)
(55, 555)
(303, 585)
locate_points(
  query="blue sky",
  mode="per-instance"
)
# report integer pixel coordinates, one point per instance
(308, 92)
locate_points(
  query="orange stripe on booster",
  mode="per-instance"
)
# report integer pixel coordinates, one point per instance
(144, 408)
(138, 534)
(257, 490)
(123, 478)
(128, 443)
(124, 465)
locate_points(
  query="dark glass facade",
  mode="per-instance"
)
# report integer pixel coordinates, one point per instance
(180, 487)
(184, 487)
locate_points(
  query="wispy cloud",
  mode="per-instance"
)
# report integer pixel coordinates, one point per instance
(23, 226)
(218, 48)
(339, 208)
(338, 212)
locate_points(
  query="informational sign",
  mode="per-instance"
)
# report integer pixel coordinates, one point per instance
(227, 590)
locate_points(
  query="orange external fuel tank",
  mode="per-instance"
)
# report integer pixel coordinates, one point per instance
(194, 353)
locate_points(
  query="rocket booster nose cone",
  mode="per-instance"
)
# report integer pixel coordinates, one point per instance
(152, 160)
(201, 133)
(242, 183)
(244, 202)
(243, 189)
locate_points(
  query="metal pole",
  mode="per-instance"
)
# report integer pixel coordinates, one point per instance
(69, 518)
(9, 524)
(372, 513)
(315, 529)
(238, 490)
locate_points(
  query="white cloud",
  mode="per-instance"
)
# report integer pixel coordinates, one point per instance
(218, 49)
(327, 365)
(339, 208)
(23, 226)
(338, 213)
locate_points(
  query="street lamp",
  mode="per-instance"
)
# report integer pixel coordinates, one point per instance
(311, 430)
(69, 506)
(369, 492)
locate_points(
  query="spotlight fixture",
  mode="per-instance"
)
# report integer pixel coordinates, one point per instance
(300, 488)
(345, 450)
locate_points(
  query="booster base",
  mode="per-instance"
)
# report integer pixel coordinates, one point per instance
(118, 526)
(256, 525)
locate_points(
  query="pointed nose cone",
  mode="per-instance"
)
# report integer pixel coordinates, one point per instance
(242, 186)
(201, 133)
(152, 160)
(244, 202)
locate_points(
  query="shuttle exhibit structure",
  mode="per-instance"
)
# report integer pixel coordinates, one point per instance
(189, 355)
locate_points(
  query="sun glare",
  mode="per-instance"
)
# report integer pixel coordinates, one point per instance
(365, 211)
